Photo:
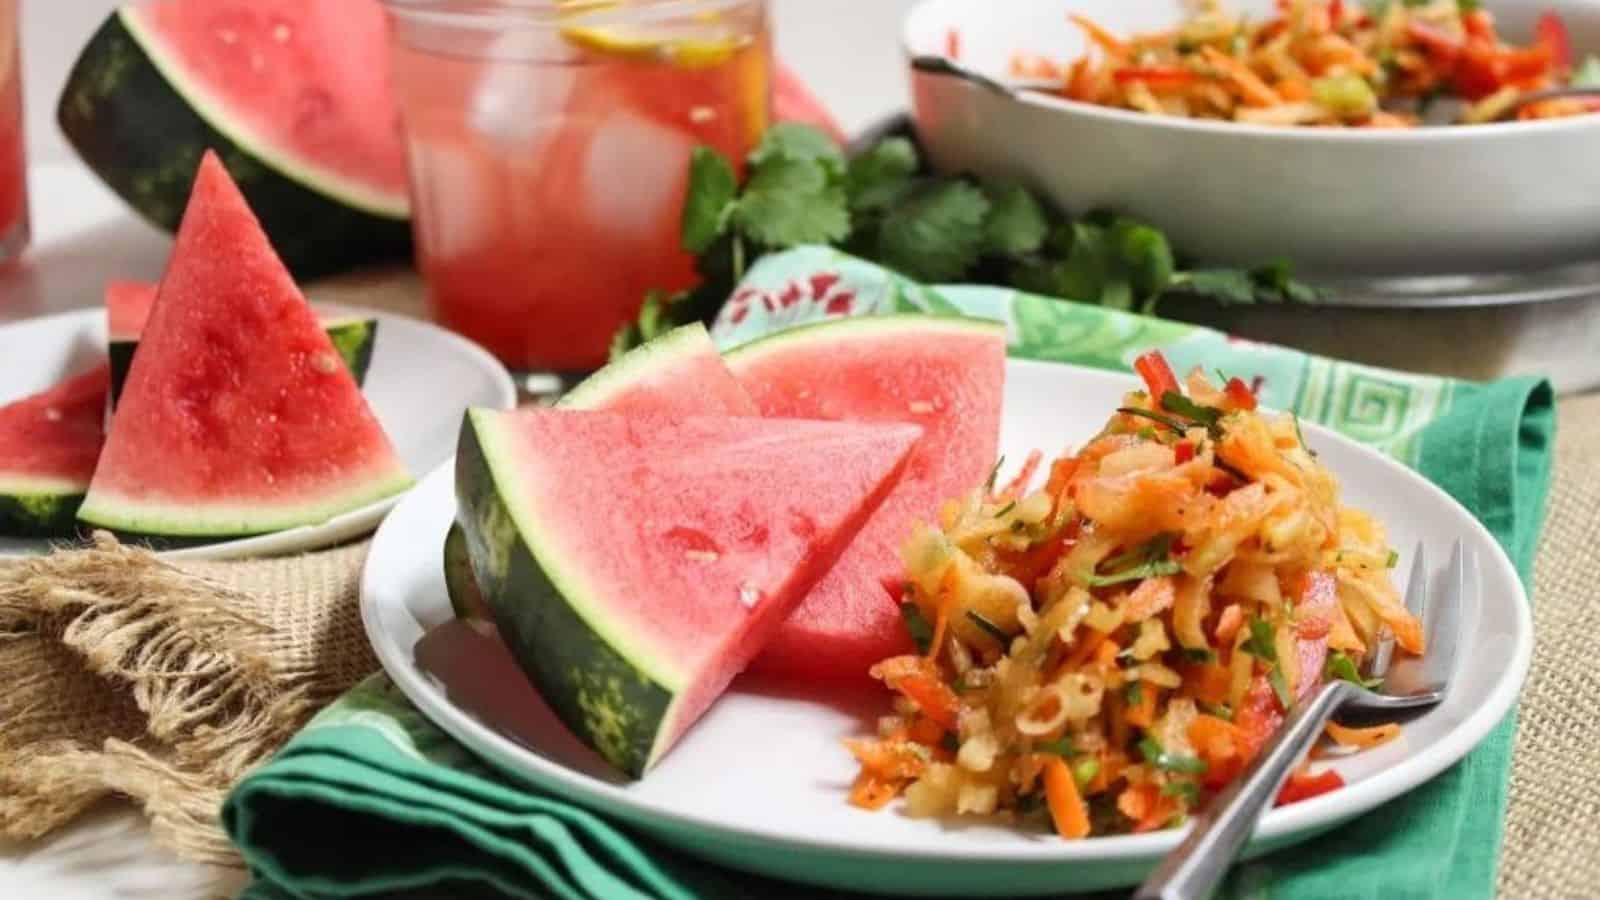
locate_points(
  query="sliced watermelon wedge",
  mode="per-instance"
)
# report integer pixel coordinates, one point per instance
(679, 373)
(295, 97)
(48, 446)
(128, 308)
(237, 416)
(635, 564)
(945, 374)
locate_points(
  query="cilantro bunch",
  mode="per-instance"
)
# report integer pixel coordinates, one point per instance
(882, 205)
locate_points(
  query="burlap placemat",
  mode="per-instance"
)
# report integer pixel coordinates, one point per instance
(164, 684)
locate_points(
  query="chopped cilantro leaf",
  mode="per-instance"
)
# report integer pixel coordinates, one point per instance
(1261, 643)
(935, 232)
(917, 626)
(989, 628)
(1300, 436)
(712, 188)
(994, 473)
(1016, 223)
(1001, 513)
(877, 178)
(1187, 791)
(1133, 693)
(795, 142)
(1171, 762)
(1220, 710)
(1085, 771)
(1200, 655)
(1060, 747)
(1393, 560)
(1280, 685)
(1176, 425)
(1341, 666)
(1147, 561)
(1209, 416)
(790, 201)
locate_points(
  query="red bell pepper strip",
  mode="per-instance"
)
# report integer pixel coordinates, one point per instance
(1304, 787)
(1435, 40)
(1335, 14)
(1183, 451)
(1552, 35)
(1239, 394)
(1157, 375)
(1154, 76)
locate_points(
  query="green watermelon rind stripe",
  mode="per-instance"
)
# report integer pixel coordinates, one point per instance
(833, 331)
(620, 704)
(368, 200)
(191, 519)
(39, 507)
(633, 368)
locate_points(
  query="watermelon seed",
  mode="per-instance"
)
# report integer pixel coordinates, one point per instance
(281, 33)
(748, 596)
(228, 36)
(52, 414)
(700, 115)
(324, 363)
(705, 556)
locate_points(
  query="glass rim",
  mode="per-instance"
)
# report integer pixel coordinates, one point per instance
(552, 14)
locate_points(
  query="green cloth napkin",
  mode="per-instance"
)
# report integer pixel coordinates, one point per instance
(371, 800)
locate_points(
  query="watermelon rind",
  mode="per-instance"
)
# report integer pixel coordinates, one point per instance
(465, 599)
(134, 120)
(637, 364)
(353, 338)
(180, 523)
(39, 507)
(615, 701)
(842, 329)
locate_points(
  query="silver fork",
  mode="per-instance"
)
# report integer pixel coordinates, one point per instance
(1196, 867)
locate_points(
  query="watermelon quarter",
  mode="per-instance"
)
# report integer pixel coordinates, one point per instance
(944, 374)
(294, 95)
(237, 416)
(635, 564)
(128, 308)
(48, 446)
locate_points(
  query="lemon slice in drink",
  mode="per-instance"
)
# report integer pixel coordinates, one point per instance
(710, 44)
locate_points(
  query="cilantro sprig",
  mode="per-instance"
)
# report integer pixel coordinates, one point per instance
(1342, 667)
(1157, 756)
(1263, 645)
(1148, 560)
(883, 205)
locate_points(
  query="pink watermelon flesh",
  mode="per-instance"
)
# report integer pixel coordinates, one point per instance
(679, 373)
(690, 538)
(52, 439)
(128, 308)
(303, 80)
(238, 416)
(946, 375)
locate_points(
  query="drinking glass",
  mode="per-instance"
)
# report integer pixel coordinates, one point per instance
(13, 156)
(549, 146)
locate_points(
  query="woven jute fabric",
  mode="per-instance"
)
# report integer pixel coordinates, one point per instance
(1552, 840)
(164, 683)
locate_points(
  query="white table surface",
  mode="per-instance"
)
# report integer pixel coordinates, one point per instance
(83, 236)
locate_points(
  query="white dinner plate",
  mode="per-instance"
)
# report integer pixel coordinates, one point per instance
(760, 782)
(410, 360)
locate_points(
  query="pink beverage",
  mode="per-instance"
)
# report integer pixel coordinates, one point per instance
(13, 158)
(549, 150)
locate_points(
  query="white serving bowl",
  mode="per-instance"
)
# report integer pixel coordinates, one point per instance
(1336, 202)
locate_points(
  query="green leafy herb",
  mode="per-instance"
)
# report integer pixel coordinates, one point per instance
(1280, 685)
(1220, 710)
(1146, 561)
(989, 628)
(712, 189)
(1171, 762)
(793, 201)
(1300, 436)
(881, 204)
(1001, 513)
(1262, 644)
(1146, 433)
(917, 626)
(1200, 655)
(1587, 74)
(1342, 667)
(1061, 747)
(935, 232)
(1133, 693)
(1085, 771)
(1188, 791)
(1209, 416)
(1393, 560)
(950, 742)
(1174, 424)
(1017, 223)
(994, 473)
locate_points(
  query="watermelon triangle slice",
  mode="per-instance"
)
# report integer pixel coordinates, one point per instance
(48, 446)
(128, 306)
(635, 564)
(946, 374)
(238, 416)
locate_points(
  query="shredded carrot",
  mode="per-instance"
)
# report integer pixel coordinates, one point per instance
(1106, 653)
(1066, 804)
(1088, 644)
(1254, 91)
(933, 698)
(1105, 40)
(941, 621)
(1143, 713)
(1363, 738)
(926, 731)
(872, 792)
(1024, 475)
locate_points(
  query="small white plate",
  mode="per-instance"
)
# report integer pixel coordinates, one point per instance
(760, 782)
(420, 381)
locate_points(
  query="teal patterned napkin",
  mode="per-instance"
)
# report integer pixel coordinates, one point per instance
(370, 800)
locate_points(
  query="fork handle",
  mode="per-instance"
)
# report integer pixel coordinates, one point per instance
(1195, 869)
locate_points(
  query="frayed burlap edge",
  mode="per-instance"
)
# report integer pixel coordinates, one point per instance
(207, 700)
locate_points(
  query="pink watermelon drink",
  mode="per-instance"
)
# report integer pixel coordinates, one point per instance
(13, 162)
(549, 147)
